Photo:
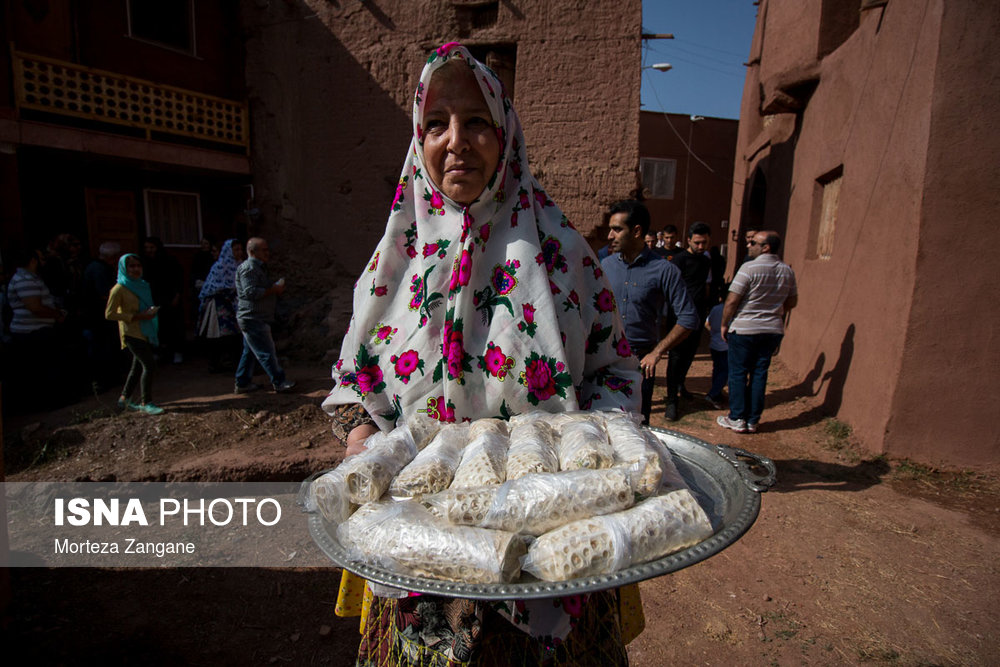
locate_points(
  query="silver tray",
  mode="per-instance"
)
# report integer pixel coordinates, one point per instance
(725, 480)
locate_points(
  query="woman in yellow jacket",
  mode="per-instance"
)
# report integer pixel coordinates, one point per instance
(131, 303)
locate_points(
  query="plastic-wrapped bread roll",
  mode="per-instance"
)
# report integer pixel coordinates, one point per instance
(328, 494)
(670, 477)
(583, 443)
(531, 449)
(538, 502)
(487, 425)
(369, 476)
(482, 462)
(631, 448)
(404, 538)
(433, 467)
(558, 421)
(423, 429)
(602, 545)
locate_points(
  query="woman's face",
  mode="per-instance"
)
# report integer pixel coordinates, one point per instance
(238, 254)
(461, 149)
(133, 267)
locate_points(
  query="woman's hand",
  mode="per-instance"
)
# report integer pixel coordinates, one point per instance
(357, 437)
(147, 314)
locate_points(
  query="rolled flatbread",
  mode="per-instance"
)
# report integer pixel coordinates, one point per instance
(404, 538)
(651, 529)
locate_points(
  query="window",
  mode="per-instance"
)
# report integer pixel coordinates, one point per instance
(658, 177)
(173, 216)
(168, 23)
(825, 207)
(502, 59)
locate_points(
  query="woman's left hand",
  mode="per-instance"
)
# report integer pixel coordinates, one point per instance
(357, 437)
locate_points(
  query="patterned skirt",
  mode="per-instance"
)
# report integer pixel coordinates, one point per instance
(431, 631)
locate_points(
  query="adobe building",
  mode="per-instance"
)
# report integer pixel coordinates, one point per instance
(331, 86)
(122, 119)
(682, 186)
(867, 138)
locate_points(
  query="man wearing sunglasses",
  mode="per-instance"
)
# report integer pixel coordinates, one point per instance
(753, 325)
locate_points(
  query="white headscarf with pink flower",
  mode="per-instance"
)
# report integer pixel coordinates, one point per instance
(486, 310)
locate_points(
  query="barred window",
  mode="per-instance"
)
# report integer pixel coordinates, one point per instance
(173, 216)
(658, 177)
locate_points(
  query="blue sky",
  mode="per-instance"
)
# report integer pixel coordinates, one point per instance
(711, 43)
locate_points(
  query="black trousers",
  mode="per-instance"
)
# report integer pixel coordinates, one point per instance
(679, 363)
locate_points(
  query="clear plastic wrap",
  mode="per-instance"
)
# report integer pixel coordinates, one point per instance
(531, 450)
(632, 449)
(536, 503)
(423, 429)
(583, 443)
(487, 425)
(405, 538)
(652, 529)
(371, 472)
(328, 494)
(434, 466)
(483, 462)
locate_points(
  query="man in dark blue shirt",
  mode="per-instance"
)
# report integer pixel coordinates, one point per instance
(647, 288)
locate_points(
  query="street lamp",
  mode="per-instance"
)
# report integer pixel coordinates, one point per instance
(661, 67)
(687, 172)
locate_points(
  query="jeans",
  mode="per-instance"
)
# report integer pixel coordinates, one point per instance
(257, 342)
(720, 372)
(142, 360)
(749, 359)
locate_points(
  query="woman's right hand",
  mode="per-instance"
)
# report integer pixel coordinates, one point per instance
(357, 437)
(147, 314)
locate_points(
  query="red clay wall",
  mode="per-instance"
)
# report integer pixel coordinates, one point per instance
(331, 85)
(864, 313)
(713, 140)
(950, 364)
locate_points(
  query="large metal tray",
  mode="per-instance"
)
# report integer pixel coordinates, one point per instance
(725, 480)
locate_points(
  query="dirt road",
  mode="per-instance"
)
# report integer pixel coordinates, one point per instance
(854, 559)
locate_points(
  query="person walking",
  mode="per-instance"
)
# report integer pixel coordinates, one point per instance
(257, 298)
(131, 304)
(752, 324)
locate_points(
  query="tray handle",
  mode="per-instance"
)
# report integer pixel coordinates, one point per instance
(749, 471)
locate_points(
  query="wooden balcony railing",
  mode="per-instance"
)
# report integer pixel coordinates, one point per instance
(57, 87)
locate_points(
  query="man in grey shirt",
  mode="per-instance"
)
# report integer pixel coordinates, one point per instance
(257, 298)
(753, 326)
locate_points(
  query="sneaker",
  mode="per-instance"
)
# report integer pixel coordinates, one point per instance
(284, 386)
(716, 401)
(737, 425)
(150, 409)
(671, 412)
(751, 428)
(247, 389)
(124, 404)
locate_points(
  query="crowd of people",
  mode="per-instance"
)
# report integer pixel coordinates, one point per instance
(67, 323)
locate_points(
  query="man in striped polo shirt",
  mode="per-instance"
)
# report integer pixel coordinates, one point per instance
(753, 325)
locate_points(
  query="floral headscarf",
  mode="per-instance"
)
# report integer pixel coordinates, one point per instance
(222, 275)
(142, 291)
(486, 310)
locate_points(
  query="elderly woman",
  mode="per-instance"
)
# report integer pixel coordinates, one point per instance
(217, 315)
(481, 300)
(131, 303)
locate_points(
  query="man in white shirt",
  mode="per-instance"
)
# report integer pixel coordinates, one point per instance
(753, 326)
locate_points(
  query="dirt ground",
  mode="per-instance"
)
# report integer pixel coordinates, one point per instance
(854, 559)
